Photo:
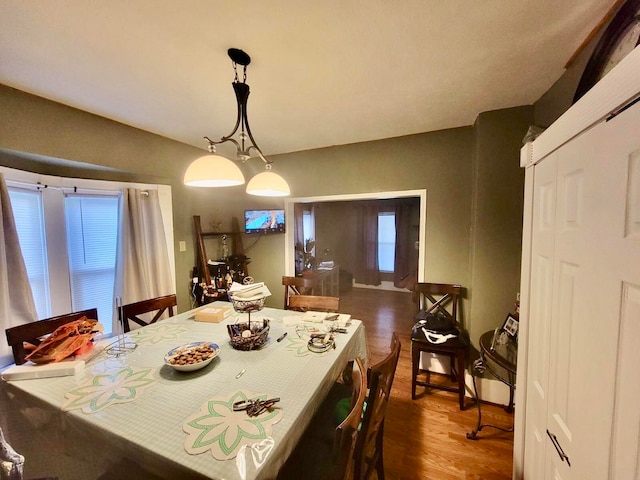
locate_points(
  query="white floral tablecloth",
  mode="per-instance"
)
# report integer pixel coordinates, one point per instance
(135, 410)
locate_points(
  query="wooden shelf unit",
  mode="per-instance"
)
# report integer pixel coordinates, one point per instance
(236, 246)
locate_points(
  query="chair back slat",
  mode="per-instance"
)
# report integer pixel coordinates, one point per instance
(368, 451)
(132, 311)
(440, 298)
(297, 286)
(346, 433)
(30, 333)
(303, 303)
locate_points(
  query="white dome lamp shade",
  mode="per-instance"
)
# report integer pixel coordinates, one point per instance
(216, 171)
(213, 171)
(268, 184)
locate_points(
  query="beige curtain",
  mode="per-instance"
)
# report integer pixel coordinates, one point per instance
(406, 259)
(16, 299)
(366, 269)
(142, 264)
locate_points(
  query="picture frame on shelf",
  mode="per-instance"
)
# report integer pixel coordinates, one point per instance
(510, 326)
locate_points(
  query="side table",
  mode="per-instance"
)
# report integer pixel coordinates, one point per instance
(499, 358)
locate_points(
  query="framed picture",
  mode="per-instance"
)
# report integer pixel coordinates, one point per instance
(510, 326)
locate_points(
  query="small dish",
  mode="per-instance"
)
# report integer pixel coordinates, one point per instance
(192, 356)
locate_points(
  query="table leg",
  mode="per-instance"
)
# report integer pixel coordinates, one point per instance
(479, 368)
(478, 365)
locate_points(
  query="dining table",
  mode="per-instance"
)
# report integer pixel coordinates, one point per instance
(129, 414)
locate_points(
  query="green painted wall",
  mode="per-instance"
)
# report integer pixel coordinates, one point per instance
(496, 238)
(459, 169)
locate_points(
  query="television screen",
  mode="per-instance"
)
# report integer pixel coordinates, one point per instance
(264, 221)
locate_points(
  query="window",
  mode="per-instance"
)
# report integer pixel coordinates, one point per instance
(308, 224)
(68, 232)
(29, 217)
(92, 235)
(75, 270)
(386, 241)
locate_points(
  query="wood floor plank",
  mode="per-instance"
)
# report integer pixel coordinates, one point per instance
(426, 438)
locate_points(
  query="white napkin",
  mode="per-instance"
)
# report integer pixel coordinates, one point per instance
(249, 292)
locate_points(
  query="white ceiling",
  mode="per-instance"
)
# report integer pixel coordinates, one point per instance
(323, 73)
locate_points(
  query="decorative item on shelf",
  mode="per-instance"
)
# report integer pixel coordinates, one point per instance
(215, 225)
(224, 248)
(237, 267)
(305, 254)
(217, 171)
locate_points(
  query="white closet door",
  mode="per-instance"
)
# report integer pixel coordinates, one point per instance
(593, 324)
(541, 292)
(620, 272)
(581, 370)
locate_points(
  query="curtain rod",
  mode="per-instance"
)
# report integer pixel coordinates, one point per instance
(74, 189)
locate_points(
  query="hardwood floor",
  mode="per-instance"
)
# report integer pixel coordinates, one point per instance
(426, 438)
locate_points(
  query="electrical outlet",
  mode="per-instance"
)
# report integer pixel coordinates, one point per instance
(182, 245)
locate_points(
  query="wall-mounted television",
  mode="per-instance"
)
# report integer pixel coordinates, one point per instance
(264, 221)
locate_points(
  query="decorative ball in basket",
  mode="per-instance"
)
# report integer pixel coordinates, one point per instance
(248, 335)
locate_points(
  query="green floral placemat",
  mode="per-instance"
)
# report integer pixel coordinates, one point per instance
(122, 386)
(156, 333)
(216, 427)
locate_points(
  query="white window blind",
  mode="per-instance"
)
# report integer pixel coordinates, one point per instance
(386, 241)
(92, 233)
(308, 225)
(28, 213)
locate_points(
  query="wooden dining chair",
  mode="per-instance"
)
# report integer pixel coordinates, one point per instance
(326, 449)
(368, 448)
(440, 298)
(297, 286)
(132, 311)
(303, 303)
(346, 434)
(32, 333)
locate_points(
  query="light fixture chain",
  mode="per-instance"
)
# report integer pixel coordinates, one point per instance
(216, 171)
(235, 71)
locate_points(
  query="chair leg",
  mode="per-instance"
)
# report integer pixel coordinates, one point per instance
(415, 363)
(379, 461)
(461, 375)
(453, 374)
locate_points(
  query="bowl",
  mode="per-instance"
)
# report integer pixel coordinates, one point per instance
(191, 356)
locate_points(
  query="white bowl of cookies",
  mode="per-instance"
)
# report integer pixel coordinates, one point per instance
(191, 356)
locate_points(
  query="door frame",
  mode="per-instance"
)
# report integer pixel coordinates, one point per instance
(289, 248)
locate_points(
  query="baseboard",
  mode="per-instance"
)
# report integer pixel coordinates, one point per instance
(489, 389)
(385, 285)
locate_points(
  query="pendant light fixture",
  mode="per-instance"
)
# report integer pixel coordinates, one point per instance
(217, 171)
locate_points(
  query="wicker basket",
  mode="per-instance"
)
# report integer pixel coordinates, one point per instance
(247, 306)
(259, 333)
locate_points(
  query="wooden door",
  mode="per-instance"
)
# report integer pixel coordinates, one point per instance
(542, 258)
(583, 397)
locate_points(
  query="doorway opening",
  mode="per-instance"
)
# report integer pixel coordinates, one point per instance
(329, 233)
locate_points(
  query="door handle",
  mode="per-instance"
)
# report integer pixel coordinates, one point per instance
(556, 444)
